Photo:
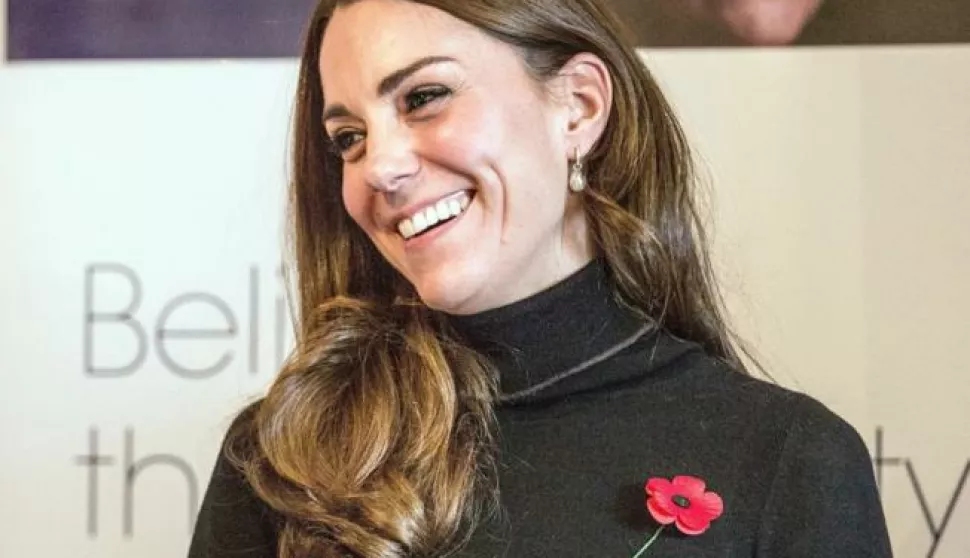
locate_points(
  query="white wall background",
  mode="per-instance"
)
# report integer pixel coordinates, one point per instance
(840, 195)
(842, 204)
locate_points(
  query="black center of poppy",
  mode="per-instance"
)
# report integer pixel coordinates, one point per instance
(681, 501)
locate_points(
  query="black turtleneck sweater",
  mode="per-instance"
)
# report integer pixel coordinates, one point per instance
(595, 402)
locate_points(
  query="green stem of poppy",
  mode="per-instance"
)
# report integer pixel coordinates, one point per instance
(650, 542)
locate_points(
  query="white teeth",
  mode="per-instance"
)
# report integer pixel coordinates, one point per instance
(406, 228)
(432, 215)
(441, 208)
(420, 222)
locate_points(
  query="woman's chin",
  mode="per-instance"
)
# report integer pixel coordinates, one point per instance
(451, 293)
(447, 300)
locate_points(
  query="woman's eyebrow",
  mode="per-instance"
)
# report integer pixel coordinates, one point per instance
(394, 79)
(389, 83)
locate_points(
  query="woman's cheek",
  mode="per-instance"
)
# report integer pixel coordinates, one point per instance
(354, 201)
(463, 134)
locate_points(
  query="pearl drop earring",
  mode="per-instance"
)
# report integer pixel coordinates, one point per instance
(577, 177)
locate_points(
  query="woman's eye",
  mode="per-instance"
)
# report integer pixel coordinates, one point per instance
(421, 97)
(343, 141)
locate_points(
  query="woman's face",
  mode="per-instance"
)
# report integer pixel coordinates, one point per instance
(437, 121)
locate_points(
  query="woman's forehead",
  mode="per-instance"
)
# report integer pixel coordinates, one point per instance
(367, 40)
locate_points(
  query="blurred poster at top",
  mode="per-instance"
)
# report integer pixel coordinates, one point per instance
(711, 23)
(111, 29)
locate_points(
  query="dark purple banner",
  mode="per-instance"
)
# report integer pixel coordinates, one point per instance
(107, 29)
(64, 29)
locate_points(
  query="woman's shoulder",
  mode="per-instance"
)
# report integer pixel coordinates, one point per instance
(757, 412)
(776, 403)
(782, 452)
(232, 520)
(746, 397)
(821, 492)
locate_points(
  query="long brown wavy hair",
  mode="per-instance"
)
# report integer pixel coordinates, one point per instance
(376, 438)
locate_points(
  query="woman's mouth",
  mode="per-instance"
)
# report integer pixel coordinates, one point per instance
(435, 215)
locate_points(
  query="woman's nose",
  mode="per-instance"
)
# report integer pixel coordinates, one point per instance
(391, 162)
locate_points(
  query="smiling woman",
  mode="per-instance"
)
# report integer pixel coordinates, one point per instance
(507, 319)
(455, 126)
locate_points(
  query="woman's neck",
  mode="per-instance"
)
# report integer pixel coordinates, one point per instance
(536, 340)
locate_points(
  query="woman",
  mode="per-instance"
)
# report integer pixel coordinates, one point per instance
(507, 322)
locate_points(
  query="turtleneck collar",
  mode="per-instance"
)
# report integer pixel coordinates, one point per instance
(562, 339)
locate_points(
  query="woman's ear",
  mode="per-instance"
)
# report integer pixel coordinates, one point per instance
(586, 90)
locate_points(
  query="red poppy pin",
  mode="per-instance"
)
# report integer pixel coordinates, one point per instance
(683, 502)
